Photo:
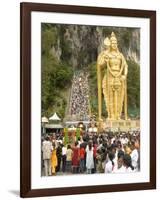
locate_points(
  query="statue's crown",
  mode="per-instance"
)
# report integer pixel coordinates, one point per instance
(113, 37)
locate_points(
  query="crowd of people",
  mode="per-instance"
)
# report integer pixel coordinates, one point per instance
(92, 153)
(79, 102)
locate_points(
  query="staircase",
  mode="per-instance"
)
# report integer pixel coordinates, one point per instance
(79, 107)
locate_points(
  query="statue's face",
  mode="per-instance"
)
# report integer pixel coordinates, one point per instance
(114, 45)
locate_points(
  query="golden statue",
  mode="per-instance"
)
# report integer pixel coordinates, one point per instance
(113, 84)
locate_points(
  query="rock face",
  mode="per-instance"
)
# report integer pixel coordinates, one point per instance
(79, 45)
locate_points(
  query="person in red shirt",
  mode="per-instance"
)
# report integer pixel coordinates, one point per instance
(75, 158)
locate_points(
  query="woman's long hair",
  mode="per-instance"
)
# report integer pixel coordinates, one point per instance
(111, 157)
(127, 161)
(90, 146)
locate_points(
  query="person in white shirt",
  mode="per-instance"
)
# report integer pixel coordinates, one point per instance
(109, 167)
(47, 150)
(120, 167)
(89, 158)
(64, 150)
(134, 156)
(126, 140)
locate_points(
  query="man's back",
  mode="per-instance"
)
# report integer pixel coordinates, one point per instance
(46, 149)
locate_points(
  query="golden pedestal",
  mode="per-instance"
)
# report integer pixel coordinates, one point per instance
(118, 125)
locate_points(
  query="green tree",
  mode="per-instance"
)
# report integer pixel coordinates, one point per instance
(133, 88)
(56, 75)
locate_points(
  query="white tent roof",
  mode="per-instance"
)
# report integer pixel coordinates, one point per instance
(54, 117)
(44, 119)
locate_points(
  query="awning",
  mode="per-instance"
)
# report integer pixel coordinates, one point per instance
(44, 119)
(54, 126)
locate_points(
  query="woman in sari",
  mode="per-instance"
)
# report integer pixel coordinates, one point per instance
(53, 160)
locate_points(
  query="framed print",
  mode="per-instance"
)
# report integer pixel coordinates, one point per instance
(88, 100)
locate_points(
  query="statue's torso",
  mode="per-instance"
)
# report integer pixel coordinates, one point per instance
(115, 61)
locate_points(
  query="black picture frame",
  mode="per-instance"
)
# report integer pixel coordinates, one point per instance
(25, 106)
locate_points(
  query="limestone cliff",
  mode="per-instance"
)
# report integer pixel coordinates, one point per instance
(80, 45)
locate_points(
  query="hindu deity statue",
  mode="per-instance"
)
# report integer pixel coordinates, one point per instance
(113, 83)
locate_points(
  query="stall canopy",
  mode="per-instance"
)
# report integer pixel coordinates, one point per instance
(54, 117)
(44, 119)
(54, 126)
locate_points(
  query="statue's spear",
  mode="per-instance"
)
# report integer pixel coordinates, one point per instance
(125, 100)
